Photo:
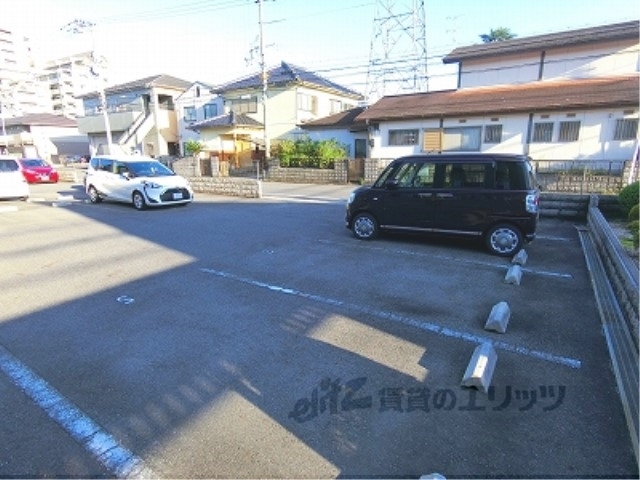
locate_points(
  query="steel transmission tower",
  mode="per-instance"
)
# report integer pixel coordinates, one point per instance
(398, 57)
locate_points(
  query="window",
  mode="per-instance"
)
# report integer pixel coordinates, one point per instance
(465, 139)
(542, 132)
(569, 131)
(189, 114)
(106, 164)
(404, 175)
(465, 175)
(336, 106)
(626, 129)
(425, 178)
(403, 137)
(492, 133)
(432, 140)
(210, 110)
(243, 105)
(307, 103)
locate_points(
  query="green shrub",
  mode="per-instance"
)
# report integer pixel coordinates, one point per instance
(629, 196)
(634, 213)
(634, 228)
(193, 147)
(307, 153)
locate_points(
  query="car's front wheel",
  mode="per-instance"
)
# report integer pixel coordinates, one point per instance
(365, 226)
(138, 201)
(504, 240)
(94, 196)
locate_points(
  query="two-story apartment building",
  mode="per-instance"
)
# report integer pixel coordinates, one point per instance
(294, 96)
(140, 117)
(564, 96)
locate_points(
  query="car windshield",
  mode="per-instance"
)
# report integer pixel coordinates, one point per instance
(8, 165)
(33, 163)
(149, 169)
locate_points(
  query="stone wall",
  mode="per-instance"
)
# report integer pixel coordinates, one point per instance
(337, 175)
(233, 187)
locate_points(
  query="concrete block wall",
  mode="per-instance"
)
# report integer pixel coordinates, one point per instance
(337, 175)
(233, 187)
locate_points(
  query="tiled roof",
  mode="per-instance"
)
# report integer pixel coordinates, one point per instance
(287, 74)
(346, 119)
(42, 119)
(166, 81)
(529, 97)
(617, 31)
(228, 120)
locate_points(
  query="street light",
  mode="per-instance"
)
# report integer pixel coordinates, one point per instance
(80, 26)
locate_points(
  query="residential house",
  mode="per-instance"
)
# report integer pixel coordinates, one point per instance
(43, 135)
(343, 128)
(564, 96)
(196, 104)
(140, 116)
(251, 122)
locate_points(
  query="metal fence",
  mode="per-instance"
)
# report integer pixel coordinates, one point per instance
(583, 177)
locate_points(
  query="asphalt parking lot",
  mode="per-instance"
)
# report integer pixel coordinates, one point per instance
(246, 338)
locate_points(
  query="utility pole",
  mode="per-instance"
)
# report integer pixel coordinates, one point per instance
(265, 81)
(79, 26)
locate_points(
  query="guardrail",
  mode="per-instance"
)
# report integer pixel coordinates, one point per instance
(614, 277)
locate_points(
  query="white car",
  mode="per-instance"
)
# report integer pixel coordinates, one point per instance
(12, 181)
(142, 181)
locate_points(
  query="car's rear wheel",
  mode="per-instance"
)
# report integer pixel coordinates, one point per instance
(94, 196)
(365, 226)
(138, 201)
(504, 240)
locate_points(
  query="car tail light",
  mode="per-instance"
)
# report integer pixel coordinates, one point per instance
(531, 202)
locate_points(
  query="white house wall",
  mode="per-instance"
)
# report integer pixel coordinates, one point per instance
(615, 58)
(283, 114)
(509, 69)
(611, 58)
(190, 99)
(595, 138)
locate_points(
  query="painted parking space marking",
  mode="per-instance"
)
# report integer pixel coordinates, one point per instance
(303, 199)
(451, 258)
(100, 444)
(426, 326)
(553, 238)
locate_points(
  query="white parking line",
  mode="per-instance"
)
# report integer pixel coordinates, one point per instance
(106, 449)
(452, 258)
(427, 326)
(303, 199)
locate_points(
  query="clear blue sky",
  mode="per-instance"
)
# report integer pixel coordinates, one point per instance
(210, 40)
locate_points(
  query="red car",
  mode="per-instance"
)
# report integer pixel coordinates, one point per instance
(36, 170)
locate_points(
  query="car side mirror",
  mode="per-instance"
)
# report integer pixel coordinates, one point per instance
(391, 185)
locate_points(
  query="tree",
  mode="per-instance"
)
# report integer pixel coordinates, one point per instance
(193, 147)
(499, 34)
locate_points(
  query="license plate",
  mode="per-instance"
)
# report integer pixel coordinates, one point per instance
(45, 178)
(177, 196)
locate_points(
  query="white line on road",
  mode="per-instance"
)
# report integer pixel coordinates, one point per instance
(427, 326)
(303, 199)
(452, 258)
(106, 449)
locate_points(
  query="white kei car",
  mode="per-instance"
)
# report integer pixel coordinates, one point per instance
(12, 181)
(142, 181)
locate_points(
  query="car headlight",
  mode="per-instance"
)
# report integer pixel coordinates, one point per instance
(352, 197)
(151, 185)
